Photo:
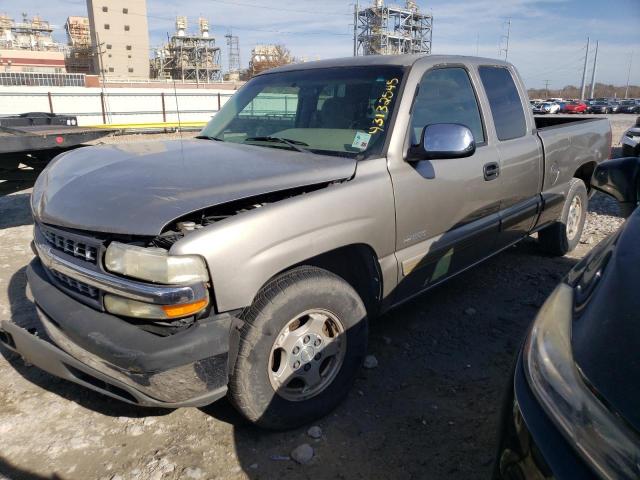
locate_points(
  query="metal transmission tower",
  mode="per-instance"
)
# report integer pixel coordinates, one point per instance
(584, 71)
(234, 53)
(626, 90)
(506, 39)
(390, 30)
(593, 72)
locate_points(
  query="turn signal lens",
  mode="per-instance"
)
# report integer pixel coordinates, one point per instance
(185, 309)
(132, 308)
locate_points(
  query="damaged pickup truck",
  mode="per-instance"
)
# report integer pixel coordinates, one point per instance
(248, 261)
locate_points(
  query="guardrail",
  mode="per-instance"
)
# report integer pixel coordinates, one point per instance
(118, 107)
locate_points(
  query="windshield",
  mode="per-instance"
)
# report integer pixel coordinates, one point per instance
(331, 111)
(627, 102)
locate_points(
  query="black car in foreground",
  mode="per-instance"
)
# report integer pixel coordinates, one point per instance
(573, 410)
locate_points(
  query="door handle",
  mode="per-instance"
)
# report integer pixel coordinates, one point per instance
(491, 171)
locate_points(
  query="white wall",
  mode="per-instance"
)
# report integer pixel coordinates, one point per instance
(124, 105)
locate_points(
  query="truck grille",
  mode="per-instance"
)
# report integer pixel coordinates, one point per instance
(70, 245)
(75, 285)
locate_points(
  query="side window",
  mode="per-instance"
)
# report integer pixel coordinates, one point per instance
(506, 106)
(445, 95)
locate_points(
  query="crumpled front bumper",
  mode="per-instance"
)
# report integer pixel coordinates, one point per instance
(107, 354)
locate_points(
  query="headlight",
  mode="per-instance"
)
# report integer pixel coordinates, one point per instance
(603, 439)
(155, 265)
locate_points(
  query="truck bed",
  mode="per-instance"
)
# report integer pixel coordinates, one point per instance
(569, 142)
(548, 121)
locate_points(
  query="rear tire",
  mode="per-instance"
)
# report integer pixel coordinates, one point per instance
(563, 236)
(285, 354)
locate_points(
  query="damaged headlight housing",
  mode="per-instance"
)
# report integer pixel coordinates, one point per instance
(602, 438)
(155, 265)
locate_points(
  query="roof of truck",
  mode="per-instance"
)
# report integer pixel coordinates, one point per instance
(384, 60)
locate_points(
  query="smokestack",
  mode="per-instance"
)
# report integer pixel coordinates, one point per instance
(181, 26)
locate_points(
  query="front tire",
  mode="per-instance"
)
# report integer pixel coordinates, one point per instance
(563, 236)
(303, 341)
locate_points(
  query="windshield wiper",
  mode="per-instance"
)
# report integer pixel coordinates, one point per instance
(294, 144)
(207, 137)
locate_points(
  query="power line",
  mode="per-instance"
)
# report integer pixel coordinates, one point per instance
(291, 10)
(249, 29)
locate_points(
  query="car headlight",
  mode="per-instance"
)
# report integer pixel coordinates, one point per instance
(155, 265)
(602, 438)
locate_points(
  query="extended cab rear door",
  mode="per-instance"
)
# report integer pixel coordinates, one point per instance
(519, 151)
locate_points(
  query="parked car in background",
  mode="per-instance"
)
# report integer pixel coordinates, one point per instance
(629, 106)
(600, 106)
(575, 107)
(631, 141)
(546, 107)
(614, 107)
(572, 408)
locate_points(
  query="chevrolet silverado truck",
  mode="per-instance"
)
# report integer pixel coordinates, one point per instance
(249, 260)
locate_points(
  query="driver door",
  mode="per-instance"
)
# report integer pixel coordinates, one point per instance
(447, 210)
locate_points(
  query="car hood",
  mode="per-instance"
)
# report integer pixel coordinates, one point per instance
(138, 188)
(606, 332)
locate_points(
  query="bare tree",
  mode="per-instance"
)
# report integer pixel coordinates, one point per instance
(269, 56)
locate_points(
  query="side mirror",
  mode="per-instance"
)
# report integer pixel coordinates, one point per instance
(620, 178)
(443, 140)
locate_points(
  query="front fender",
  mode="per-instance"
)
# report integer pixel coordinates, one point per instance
(245, 251)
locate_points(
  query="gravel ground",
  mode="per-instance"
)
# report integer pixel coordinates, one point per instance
(427, 410)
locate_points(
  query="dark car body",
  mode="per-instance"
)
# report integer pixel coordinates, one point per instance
(629, 106)
(604, 340)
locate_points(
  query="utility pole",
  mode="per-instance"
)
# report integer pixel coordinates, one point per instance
(356, 8)
(546, 89)
(506, 38)
(626, 90)
(584, 71)
(593, 73)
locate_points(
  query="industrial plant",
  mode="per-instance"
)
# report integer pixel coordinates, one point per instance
(192, 57)
(112, 42)
(80, 53)
(391, 29)
(28, 46)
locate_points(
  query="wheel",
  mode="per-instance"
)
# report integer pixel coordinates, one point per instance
(563, 236)
(302, 343)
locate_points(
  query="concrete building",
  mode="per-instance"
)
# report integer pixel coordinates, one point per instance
(120, 34)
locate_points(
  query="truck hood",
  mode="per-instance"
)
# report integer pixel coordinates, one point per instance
(137, 189)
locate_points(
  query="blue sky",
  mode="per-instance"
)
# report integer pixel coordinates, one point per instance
(547, 36)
